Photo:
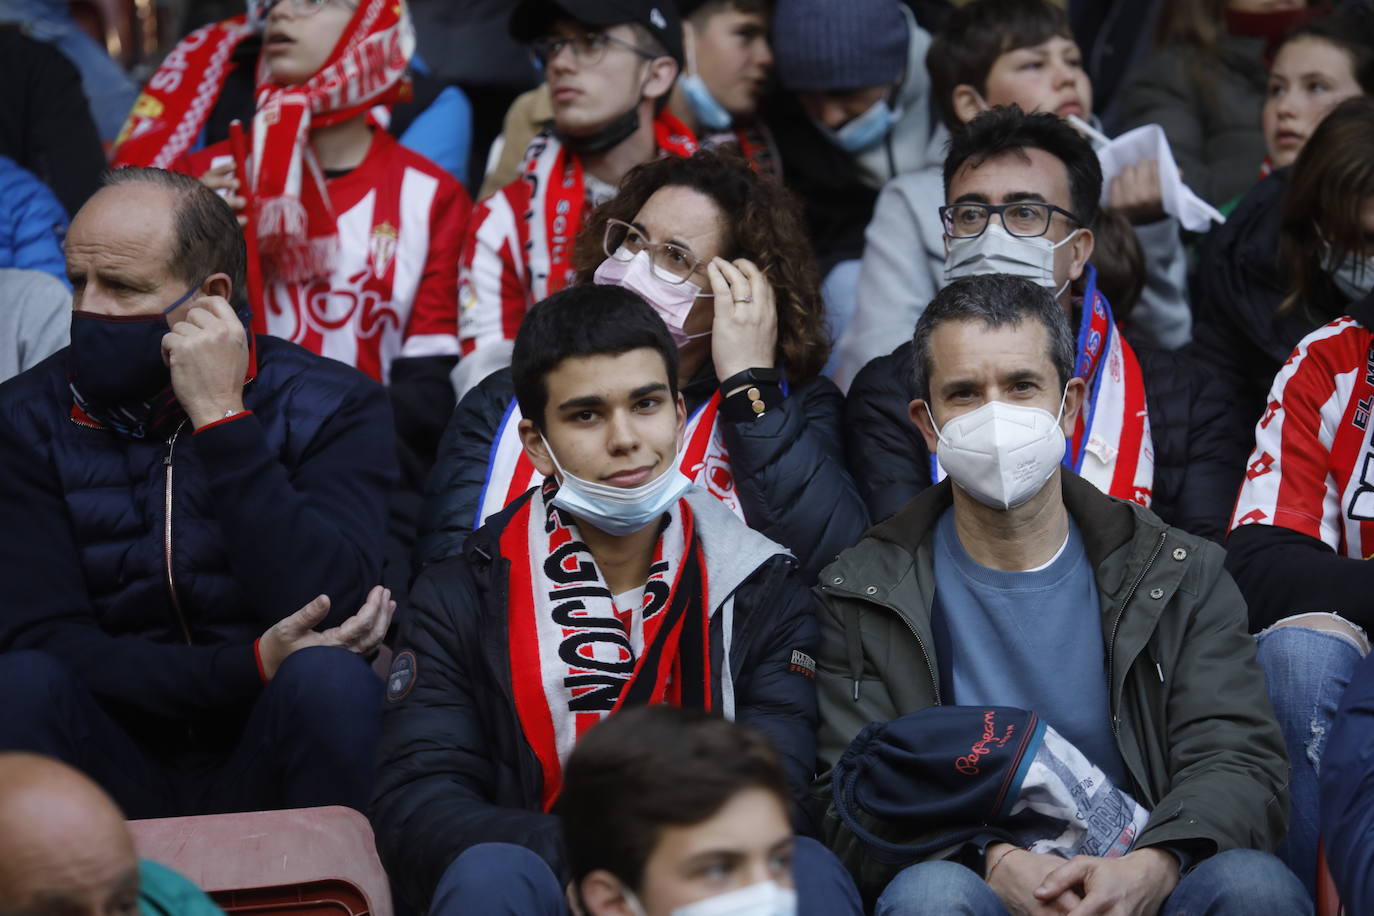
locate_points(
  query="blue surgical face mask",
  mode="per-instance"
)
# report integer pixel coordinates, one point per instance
(1353, 275)
(618, 511)
(867, 130)
(708, 112)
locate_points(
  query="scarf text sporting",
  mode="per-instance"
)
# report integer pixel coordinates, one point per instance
(173, 107)
(575, 657)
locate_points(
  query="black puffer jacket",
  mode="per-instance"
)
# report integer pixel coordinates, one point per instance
(1195, 488)
(1238, 333)
(456, 769)
(788, 465)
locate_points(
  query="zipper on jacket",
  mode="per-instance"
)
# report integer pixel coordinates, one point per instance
(167, 535)
(1116, 625)
(920, 644)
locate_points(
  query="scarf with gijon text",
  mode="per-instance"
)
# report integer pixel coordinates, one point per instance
(575, 657)
(704, 460)
(296, 231)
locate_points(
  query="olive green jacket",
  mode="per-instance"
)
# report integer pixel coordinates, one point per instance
(1189, 709)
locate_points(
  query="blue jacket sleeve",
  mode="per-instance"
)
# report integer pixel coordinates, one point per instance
(1347, 793)
(317, 527)
(791, 478)
(38, 224)
(46, 608)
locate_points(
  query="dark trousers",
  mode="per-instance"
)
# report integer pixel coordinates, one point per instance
(495, 879)
(310, 739)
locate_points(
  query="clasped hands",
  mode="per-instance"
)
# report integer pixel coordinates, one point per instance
(1035, 884)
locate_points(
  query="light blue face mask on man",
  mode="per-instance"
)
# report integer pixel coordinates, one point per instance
(867, 130)
(618, 511)
(708, 112)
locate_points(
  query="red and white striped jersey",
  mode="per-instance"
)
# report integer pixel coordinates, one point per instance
(1312, 469)
(519, 246)
(393, 291)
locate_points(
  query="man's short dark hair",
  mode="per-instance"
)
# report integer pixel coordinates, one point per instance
(997, 301)
(975, 35)
(653, 767)
(587, 320)
(1010, 130)
(208, 239)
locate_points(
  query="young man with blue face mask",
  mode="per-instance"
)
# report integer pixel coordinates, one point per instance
(615, 583)
(1017, 583)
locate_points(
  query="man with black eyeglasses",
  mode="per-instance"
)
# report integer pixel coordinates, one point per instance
(610, 66)
(1021, 192)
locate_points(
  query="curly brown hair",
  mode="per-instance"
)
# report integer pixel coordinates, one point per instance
(763, 223)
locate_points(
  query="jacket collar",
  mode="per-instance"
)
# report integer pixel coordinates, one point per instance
(1106, 523)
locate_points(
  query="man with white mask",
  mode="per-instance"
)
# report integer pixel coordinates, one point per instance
(614, 583)
(1021, 196)
(1017, 583)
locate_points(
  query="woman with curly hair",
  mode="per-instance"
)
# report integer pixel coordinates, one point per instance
(721, 255)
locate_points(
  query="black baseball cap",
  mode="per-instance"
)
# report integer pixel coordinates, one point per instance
(534, 18)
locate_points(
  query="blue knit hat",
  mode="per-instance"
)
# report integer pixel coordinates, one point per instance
(839, 44)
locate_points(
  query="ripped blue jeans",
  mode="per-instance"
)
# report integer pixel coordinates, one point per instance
(1306, 671)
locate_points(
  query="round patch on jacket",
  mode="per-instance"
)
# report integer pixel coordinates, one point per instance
(402, 676)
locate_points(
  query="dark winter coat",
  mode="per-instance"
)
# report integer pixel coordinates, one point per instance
(456, 769)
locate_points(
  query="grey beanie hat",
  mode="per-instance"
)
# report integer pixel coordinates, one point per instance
(839, 44)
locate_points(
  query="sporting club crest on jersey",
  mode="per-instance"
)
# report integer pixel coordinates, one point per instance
(382, 248)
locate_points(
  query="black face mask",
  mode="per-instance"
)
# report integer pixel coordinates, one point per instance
(607, 137)
(117, 361)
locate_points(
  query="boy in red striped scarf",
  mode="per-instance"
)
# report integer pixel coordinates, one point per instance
(614, 584)
(611, 65)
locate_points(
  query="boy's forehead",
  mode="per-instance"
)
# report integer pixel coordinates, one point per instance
(606, 376)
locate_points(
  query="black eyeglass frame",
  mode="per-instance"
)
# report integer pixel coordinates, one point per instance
(947, 221)
(546, 49)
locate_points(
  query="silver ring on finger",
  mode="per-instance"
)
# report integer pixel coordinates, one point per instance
(744, 300)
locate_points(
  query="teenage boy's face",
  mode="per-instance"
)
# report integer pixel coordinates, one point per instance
(588, 94)
(733, 58)
(609, 419)
(296, 45)
(1028, 175)
(747, 842)
(1045, 77)
(837, 108)
(1308, 79)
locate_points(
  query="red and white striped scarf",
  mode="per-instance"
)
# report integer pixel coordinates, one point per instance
(575, 658)
(296, 230)
(173, 107)
(558, 198)
(1111, 446)
(704, 460)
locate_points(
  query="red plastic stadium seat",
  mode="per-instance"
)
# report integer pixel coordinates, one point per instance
(301, 862)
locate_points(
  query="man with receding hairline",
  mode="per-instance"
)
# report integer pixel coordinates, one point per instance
(185, 503)
(66, 851)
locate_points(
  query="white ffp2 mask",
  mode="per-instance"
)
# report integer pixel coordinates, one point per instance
(767, 898)
(1001, 454)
